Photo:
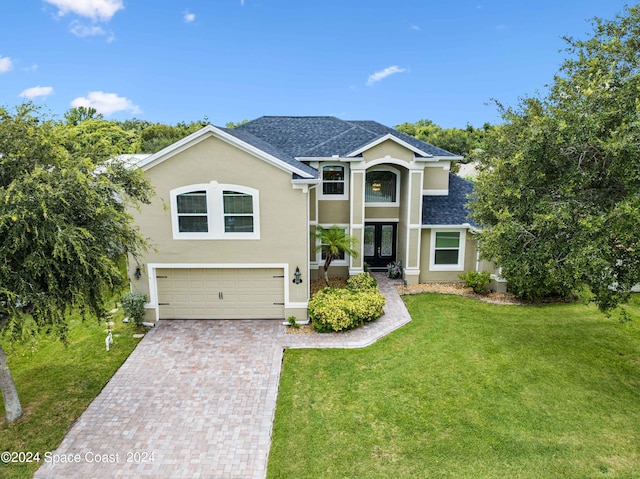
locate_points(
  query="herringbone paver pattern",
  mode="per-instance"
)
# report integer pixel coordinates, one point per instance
(196, 399)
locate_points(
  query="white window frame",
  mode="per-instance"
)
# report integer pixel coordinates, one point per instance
(215, 212)
(345, 195)
(461, 251)
(335, 262)
(378, 203)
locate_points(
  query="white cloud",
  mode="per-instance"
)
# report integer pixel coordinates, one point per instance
(37, 91)
(415, 28)
(5, 64)
(81, 30)
(380, 75)
(189, 17)
(106, 103)
(101, 10)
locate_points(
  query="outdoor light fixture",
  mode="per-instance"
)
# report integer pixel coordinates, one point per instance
(297, 275)
(376, 186)
(138, 273)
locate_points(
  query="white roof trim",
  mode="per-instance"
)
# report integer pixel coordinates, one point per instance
(391, 137)
(207, 132)
(462, 226)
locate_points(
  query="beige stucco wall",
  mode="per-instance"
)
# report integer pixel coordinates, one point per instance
(313, 204)
(427, 276)
(382, 212)
(388, 148)
(283, 214)
(435, 178)
(333, 212)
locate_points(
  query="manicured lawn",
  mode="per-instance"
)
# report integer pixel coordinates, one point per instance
(468, 390)
(56, 384)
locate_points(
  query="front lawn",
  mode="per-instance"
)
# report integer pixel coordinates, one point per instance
(468, 390)
(56, 384)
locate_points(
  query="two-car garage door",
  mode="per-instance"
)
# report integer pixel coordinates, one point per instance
(220, 293)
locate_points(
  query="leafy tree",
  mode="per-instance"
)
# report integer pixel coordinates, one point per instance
(77, 115)
(237, 124)
(98, 138)
(333, 241)
(157, 136)
(559, 192)
(459, 141)
(64, 227)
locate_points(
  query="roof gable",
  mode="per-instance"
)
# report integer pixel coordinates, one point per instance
(251, 145)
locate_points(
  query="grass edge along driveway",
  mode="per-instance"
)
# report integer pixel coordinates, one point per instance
(468, 390)
(57, 383)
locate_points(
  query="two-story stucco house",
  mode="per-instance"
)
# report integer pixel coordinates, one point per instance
(234, 210)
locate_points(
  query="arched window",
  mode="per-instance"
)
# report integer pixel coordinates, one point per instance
(215, 211)
(381, 186)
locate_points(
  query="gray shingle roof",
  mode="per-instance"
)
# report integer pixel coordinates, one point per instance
(324, 136)
(253, 140)
(450, 209)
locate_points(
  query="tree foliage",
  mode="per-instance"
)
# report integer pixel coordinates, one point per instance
(558, 196)
(459, 141)
(64, 221)
(157, 136)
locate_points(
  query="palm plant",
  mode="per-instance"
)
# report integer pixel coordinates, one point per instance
(334, 241)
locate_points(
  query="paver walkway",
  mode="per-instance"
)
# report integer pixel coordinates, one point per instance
(196, 399)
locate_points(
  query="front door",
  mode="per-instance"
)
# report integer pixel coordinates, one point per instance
(379, 244)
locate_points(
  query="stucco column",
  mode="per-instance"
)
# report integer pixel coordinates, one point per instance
(356, 216)
(414, 225)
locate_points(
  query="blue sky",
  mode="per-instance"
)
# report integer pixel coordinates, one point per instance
(392, 61)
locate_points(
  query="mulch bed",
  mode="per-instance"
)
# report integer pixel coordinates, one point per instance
(459, 289)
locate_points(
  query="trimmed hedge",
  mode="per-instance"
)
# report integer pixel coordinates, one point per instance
(343, 309)
(362, 282)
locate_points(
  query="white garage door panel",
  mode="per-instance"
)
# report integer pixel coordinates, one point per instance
(200, 293)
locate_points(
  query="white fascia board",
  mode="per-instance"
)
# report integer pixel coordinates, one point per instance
(207, 132)
(462, 226)
(304, 184)
(391, 137)
(323, 159)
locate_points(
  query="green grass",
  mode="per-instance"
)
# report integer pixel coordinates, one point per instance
(56, 384)
(468, 390)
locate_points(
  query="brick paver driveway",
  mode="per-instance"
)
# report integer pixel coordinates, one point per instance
(195, 400)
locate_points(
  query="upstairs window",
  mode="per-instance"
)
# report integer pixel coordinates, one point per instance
(192, 212)
(215, 211)
(334, 182)
(381, 187)
(238, 212)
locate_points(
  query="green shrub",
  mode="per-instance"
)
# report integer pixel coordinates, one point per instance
(479, 282)
(343, 309)
(362, 282)
(133, 306)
